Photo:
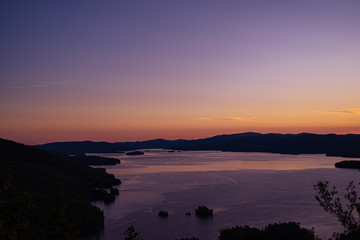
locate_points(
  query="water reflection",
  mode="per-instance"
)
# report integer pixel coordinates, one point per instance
(156, 161)
(243, 189)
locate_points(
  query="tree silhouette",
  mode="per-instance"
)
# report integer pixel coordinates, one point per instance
(277, 231)
(131, 234)
(187, 238)
(349, 215)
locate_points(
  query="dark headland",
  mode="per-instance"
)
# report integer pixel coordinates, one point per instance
(45, 195)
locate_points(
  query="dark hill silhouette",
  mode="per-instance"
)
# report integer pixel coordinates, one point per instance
(150, 144)
(303, 143)
(181, 143)
(82, 147)
(48, 194)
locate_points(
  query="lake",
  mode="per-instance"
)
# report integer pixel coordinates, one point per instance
(242, 188)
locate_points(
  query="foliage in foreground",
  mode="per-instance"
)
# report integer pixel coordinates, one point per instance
(131, 234)
(277, 231)
(191, 238)
(348, 216)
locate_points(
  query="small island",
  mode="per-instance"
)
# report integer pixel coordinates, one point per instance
(163, 214)
(135, 153)
(348, 164)
(203, 212)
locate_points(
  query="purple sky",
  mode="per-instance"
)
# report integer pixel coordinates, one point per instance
(132, 70)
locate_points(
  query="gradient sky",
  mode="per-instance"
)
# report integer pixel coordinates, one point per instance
(136, 70)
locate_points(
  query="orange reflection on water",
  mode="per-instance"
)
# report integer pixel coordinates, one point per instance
(157, 161)
(222, 166)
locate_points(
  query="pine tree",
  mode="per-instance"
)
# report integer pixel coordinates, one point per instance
(131, 234)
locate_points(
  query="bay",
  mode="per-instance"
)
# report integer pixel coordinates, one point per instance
(252, 189)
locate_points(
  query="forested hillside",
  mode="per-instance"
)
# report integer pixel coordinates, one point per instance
(48, 196)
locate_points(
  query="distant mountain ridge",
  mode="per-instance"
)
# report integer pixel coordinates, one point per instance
(303, 143)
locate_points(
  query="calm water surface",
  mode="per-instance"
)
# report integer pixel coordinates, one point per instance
(243, 189)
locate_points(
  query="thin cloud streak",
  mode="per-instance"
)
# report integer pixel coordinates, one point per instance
(345, 111)
(39, 85)
(203, 119)
(18, 87)
(226, 118)
(236, 119)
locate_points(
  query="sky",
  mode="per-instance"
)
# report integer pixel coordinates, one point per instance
(138, 70)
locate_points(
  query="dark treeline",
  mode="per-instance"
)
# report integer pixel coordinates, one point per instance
(277, 231)
(304, 143)
(48, 196)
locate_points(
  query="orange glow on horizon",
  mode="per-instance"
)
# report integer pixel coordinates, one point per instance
(227, 68)
(46, 136)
